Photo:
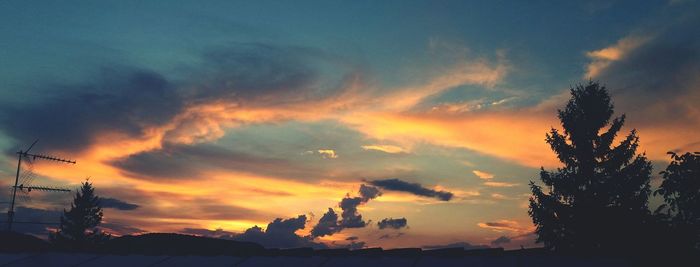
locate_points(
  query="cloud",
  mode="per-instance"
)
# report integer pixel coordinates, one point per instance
(119, 100)
(280, 233)
(369, 192)
(328, 153)
(500, 241)
(465, 72)
(390, 236)
(255, 72)
(385, 148)
(392, 223)
(503, 225)
(665, 66)
(413, 188)
(40, 220)
(350, 217)
(178, 161)
(113, 203)
(120, 229)
(465, 245)
(329, 224)
(213, 210)
(218, 233)
(499, 196)
(483, 175)
(324, 153)
(489, 131)
(602, 58)
(354, 244)
(500, 184)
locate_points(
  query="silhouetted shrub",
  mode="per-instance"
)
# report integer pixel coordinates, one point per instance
(78, 229)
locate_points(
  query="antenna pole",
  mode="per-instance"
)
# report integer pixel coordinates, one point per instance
(11, 212)
(20, 154)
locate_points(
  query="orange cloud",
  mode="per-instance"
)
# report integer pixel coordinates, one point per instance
(505, 225)
(499, 184)
(386, 148)
(519, 139)
(602, 58)
(482, 174)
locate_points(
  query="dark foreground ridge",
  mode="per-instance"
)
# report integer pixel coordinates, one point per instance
(166, 249)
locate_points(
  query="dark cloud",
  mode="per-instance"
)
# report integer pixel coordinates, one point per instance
(664, 67)
(500, 241)
(464, 245)
(176, 161)
(255, 72)
(392, 223)
(210, 209)
(33, 221)
(280, 234)
(126, 101)
(498, 224)
(350, 217)
(369, 192)
(390, 236)
(354, 245)
(129, 101)
(413, 188)
(120, 229)
(113, 203)
(672, 57)
(329, 224)
(218, 233)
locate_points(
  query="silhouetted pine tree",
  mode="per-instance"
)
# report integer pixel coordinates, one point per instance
(598, 199)
(78, 225)
(681, 192)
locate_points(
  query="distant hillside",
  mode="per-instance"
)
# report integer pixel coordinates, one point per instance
(178, 244)
(16, 242)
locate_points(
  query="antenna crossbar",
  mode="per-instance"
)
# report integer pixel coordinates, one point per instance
(46, 157)
(41, 188)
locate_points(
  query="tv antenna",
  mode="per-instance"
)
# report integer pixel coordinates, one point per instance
(25, 187)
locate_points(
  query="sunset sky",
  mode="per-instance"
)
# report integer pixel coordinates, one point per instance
(194, 116)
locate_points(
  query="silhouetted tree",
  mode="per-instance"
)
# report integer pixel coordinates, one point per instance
(598, 199)
(681, 192)
(78, 228)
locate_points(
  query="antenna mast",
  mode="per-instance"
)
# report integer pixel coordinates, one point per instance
(21, 187)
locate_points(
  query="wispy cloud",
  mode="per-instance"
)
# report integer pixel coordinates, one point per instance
(500, 184)
(391, 149)
(328, 153)
(662, 64)
(483, 175)
(503, 225)
(602, 58)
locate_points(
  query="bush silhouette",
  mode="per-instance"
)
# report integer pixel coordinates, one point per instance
(78, 228)
(681, 192)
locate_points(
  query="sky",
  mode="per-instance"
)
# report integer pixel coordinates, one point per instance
(328, 123)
